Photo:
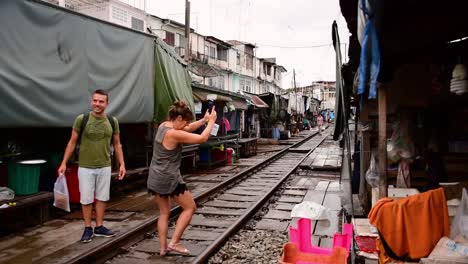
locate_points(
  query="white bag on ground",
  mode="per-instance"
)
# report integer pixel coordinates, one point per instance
(460, 221)
(310, 210)
(6, 193)
(61, 197)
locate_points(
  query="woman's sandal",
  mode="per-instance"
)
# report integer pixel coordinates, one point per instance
(163, 252)
(179, 248)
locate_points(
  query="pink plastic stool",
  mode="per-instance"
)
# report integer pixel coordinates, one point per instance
(302, 237)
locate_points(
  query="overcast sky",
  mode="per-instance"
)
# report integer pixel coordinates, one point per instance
(277, 27)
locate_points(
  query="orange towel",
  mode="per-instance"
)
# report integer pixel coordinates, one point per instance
(411, 227)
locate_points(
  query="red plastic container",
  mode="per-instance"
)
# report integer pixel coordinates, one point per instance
(229, 156)
(217, 155)
(71, 174)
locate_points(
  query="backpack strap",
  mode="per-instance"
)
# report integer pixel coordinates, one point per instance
(112, 122)
(83, 126)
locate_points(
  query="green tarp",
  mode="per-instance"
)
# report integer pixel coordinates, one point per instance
(51, 60)
(172, 81)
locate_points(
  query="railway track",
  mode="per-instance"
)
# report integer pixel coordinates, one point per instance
(222, 210)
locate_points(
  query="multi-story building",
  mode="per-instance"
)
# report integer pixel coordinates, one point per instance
(269, 76)
(226, 65)
(172, 32)
(325, 91)
(113, 11)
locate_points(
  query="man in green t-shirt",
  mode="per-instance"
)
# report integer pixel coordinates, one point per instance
(94, 172)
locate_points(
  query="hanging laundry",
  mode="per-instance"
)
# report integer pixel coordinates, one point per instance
(369, 47)
(226, 124)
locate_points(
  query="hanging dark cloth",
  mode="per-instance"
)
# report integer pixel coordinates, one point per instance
(341, 111)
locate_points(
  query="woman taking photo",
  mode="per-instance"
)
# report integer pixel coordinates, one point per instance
(164, 178)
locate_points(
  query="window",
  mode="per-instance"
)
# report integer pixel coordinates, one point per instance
(170, 38)
(137, 24)
(212, 82)
(269, 70)
(212, 52)
(222, 53)
(119, 15)
(221, 82)
(249, 61)
(246, 85)
(238, 58)
(182, 40)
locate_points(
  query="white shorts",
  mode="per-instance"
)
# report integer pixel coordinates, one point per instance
(94, 183)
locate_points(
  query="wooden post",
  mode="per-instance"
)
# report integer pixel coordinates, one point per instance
(382, 93)
(187, 31)
(365, 157)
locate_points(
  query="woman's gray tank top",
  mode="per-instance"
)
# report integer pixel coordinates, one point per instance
(164, 171)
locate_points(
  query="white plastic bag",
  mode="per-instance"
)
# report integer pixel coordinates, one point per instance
(61, 197)
(372, 174)
(310, 210)
(460, 221)
(6, 193)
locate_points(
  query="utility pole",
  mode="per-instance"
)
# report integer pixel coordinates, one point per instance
(295, 91)
(187, 30)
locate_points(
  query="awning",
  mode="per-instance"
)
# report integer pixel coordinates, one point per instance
(256, 101)
(239, 104)
(202, 97)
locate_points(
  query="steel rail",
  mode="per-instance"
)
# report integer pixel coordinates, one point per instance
(243, 219)
(114, 246)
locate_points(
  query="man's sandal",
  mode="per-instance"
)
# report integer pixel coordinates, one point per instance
(179, 248)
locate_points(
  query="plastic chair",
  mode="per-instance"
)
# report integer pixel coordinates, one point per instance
(292, 255)
(302, 237)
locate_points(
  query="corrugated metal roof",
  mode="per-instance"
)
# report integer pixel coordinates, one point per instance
(202, 96)
(257, 101)
(239, 104)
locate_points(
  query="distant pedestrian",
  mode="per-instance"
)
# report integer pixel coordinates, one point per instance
(94, 171)
(320, 123)
(306, 123)
(165, 180)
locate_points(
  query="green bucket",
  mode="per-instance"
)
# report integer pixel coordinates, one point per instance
(23, 176)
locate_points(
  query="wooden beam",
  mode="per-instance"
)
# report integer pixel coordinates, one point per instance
(365, 157)
(382, 93)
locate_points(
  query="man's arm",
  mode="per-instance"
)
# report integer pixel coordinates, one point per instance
(119, 153)
(68, 152)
